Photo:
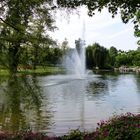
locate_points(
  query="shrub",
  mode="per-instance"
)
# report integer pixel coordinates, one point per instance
(122, 127)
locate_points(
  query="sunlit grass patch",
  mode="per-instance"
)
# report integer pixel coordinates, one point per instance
(42, 70)
(4, 72)
(39, 70)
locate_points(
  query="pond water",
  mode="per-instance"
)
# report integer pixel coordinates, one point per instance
(56, 104)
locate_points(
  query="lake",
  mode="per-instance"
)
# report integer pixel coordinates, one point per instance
(55, 104)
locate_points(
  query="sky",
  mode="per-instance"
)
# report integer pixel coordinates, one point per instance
(101, 28)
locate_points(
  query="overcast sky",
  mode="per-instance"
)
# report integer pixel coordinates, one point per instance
(100, 28)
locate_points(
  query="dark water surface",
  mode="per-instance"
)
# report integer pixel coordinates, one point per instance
(58, 103)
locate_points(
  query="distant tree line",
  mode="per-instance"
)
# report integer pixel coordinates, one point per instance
(33, 55)
(99, 56)
(51, 53)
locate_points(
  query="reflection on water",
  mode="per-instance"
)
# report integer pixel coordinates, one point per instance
(21, 104)
(56, 104)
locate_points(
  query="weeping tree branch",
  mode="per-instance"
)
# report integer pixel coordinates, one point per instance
(10, 25)
(26, 36)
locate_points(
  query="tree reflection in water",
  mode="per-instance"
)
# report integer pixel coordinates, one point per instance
(21, 105)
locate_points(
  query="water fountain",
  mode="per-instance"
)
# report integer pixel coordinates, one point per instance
(74, 61)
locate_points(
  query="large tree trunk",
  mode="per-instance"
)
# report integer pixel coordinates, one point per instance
(35, 57)
(14, 57)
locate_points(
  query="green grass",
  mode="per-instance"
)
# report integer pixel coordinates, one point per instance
(42, 70)
(4, 72)
(39, 71)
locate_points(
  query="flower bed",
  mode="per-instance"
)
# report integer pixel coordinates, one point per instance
(123, 127)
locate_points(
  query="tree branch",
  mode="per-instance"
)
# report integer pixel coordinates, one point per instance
(9, 24)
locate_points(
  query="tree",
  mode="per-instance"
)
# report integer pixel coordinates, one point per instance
(129, 9)
(136, 60)
(121, 59)
(113, 51)
(17, 20)
(37, 32)
(96, 56)
(129, 58)
(112, 55)
(138, 49)
(89, 57)
(65, 45)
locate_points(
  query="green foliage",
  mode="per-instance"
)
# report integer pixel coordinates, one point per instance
(74, 135)
(55, 56)
(136, 60)
(22, 24)
(129, 9)
(123, 127)
(121, 59)
(112, 55)
(96, 56)
(130, 58)
(99, 56)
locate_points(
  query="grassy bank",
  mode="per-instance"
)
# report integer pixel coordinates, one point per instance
(123, 127)
(39, 71)
(4, 72)
(42, 70)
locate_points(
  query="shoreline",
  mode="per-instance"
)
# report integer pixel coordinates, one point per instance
(128, 69)
(121, 127)
(121, 69)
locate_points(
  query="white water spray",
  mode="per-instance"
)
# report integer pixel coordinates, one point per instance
(75, 59)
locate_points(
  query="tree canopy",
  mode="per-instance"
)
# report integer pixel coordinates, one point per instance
(129, 9)
(96, 56)
(24, 22)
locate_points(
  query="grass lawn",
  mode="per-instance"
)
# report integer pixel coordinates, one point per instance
(39, 71)
(42, 70)
(4, 72)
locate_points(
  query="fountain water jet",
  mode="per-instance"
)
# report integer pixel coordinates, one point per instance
(74, 61)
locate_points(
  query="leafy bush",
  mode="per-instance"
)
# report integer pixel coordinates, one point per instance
(74, 135)
(122, 127)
